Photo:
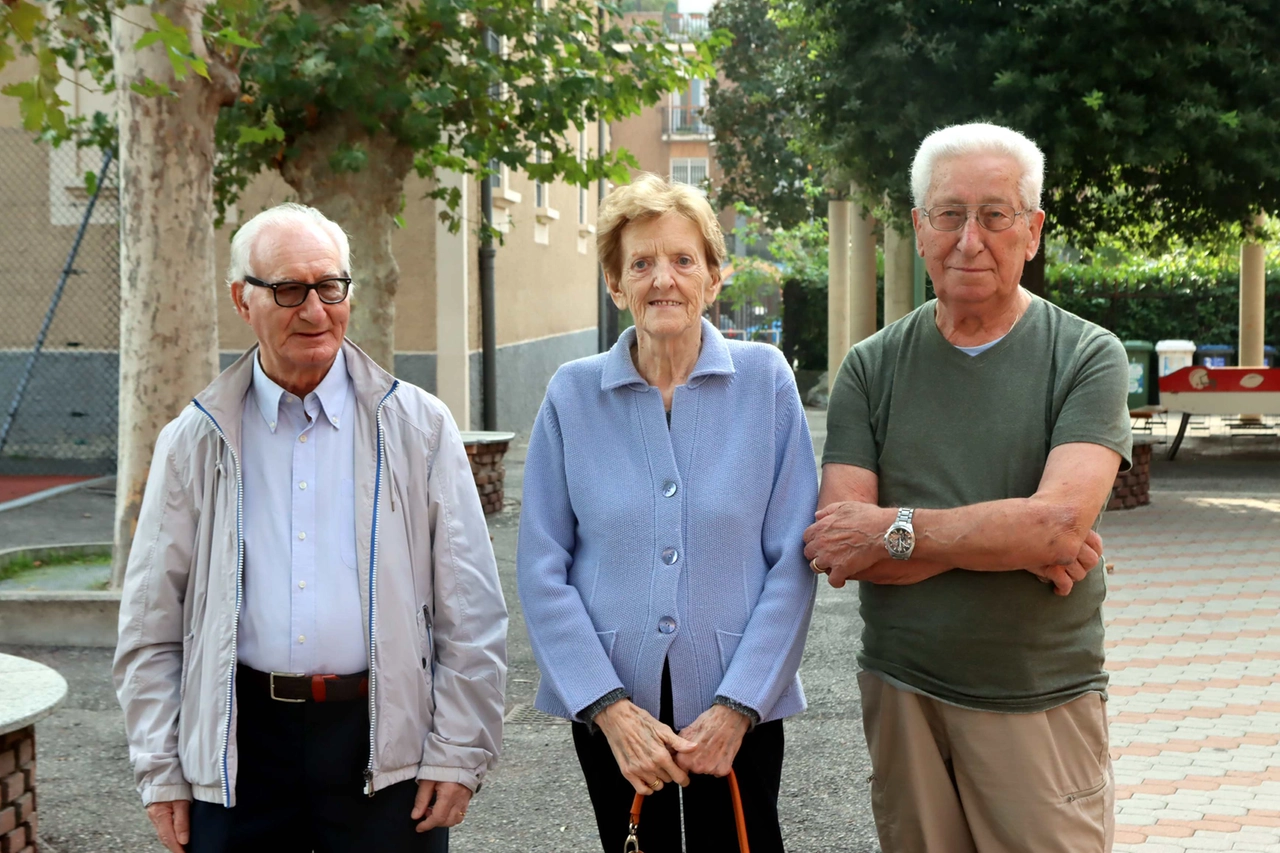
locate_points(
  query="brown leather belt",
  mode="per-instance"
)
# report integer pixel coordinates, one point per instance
(293, 687)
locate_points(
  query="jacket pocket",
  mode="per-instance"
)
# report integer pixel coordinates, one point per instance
(606, 642)
(728, 643)
(347, 532)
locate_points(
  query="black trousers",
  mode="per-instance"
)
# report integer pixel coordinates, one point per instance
(299, 787)
(708, 808)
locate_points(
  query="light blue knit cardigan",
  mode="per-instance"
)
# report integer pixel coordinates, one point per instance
(640, 543)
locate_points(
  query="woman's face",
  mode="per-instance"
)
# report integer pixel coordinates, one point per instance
(665, 279)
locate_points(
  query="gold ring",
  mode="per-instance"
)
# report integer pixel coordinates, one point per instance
(813, 564)
(655, 784)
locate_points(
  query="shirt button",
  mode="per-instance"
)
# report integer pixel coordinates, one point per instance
(303, 485)
(302, 535)
(670, 555)
(302, 584)
(272, 424)
(669, 489)
(302, 438)
(302, 638)
(335, 421)
(666, 625)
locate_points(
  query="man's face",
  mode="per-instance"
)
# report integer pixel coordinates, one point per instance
(296, 345)
(973, 265)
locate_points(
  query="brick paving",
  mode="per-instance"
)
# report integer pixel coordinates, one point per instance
(1194, 652)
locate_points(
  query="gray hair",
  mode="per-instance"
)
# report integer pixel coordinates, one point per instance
(959, 140)
(288, 213)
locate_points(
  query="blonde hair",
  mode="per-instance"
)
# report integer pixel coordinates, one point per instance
(648, 197)
(978, 138)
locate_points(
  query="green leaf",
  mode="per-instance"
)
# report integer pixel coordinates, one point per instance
(1093, 100)
(91, 183)
(227, 35)
(149, 88)
(399, 220)
(1231, 119)
(24, 18)
(268, 131)
(148, 39)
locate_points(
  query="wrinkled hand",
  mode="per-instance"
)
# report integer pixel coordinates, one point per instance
(643, 746)
(718, 732)
(1064, 577)
(172, 821)
(847, 539)
(448, 807)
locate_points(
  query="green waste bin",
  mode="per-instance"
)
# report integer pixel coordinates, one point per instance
(1139, 371)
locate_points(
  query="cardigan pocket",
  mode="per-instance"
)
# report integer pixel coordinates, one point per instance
(606, 642)
(728, 643)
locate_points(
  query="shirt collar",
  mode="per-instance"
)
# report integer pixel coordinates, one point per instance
(331, 392)
(620, 370)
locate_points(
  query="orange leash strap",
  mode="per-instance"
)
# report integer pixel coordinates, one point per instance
(739, 819)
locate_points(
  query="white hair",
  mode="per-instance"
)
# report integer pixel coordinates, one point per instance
(288, 213)
(977, 138)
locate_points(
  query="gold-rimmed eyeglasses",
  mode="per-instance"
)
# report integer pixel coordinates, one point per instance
(953, 217)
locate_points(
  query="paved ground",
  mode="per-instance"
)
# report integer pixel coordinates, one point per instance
(1195, 706)
(1194, 652)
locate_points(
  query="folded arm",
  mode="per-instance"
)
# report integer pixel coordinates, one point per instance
(1049, 533)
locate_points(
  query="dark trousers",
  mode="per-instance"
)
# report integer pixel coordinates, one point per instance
(299, 786)
(708, 808)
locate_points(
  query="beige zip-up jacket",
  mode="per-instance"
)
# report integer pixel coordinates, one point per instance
(436, 621)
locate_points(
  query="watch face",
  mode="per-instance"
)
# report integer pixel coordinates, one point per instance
(899, 540)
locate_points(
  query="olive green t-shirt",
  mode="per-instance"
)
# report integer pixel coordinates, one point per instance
(943, 429)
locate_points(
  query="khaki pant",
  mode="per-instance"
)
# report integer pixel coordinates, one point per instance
(954, 780)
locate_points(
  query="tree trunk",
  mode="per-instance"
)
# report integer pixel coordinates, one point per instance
(168, 321)
(365, 204)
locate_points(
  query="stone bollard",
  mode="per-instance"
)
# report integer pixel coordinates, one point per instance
(485, 451)
(28, 692)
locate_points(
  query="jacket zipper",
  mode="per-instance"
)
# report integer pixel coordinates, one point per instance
(373, 596)
(235, 625)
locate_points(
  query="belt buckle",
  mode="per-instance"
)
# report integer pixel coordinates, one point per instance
(273, 686)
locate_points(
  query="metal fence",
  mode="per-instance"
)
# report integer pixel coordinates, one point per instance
(60, 311)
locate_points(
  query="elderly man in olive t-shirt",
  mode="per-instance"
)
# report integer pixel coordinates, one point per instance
(971, 447)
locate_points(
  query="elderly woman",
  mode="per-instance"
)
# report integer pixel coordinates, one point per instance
(660, 564)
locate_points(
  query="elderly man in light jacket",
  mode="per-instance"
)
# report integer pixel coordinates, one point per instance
(312, 632)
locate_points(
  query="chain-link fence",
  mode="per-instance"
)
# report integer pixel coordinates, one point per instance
(60, 320)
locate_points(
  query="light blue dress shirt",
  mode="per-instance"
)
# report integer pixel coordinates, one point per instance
(301, 610)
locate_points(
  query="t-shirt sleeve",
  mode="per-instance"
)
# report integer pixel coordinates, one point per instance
(1096, 408)
(851, 438)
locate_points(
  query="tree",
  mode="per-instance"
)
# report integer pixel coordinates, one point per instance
(346, 100)
(755, 111)
(172, 83)
(1158, 115)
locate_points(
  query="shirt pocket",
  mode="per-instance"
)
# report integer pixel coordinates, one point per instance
(347, 522)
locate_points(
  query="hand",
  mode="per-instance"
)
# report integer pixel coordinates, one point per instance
(718, 732)
(1064, 577)
(172, 821)
(847, 538)
(643, 747)
(448, 808)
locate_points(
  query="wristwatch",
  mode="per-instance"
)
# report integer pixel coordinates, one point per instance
(900, 538)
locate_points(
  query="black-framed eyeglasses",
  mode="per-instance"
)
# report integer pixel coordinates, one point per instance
(953, 217)
(291, 294)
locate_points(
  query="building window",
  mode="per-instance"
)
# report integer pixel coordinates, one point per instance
(689, 170)
(495, 180)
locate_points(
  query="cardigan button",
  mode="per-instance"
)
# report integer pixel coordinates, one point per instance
(669, 489)
(670, 555)
(666, 625)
